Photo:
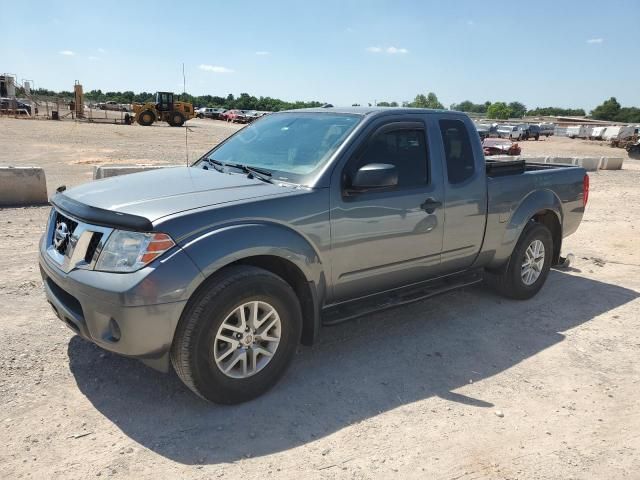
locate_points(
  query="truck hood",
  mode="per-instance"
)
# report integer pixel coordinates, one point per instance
(157, 193)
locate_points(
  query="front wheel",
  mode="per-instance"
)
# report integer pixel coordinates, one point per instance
(176, 119)
(238, 335)
(528, 266)
(146, 118)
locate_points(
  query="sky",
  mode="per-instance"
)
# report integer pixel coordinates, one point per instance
(546, 53)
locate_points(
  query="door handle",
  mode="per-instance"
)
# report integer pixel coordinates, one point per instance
(430, 205)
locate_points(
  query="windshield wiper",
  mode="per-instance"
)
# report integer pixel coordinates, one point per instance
(253, 172)
(216, 164)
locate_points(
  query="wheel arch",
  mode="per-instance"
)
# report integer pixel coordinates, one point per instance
(542, 206)
(274, 248)
(550, 219)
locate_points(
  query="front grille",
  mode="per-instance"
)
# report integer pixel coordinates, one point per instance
(69, 225)
(93, 246)
(72, 243)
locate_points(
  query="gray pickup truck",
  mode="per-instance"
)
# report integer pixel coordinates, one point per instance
(302, 219)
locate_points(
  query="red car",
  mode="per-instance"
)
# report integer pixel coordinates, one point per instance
(234, 116)
(500, 146)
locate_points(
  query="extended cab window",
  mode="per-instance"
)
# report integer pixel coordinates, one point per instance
(457, 150)
(404, 148)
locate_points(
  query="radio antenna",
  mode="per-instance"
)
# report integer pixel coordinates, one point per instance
(186, 129)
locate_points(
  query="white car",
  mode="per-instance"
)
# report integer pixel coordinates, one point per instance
(208, 112)
(512, 132)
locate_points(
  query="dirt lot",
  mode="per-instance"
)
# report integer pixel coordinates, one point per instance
(464, 386)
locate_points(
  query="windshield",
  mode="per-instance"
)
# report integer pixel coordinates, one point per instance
(292, 146)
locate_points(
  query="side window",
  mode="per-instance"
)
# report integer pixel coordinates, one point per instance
(457, 150)
(404, 148)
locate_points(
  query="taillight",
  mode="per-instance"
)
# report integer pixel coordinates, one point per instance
(585, 189)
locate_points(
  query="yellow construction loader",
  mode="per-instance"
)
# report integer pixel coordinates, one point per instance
(163, 110)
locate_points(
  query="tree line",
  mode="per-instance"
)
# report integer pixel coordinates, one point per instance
(609, 110)
(497, 110)
(612, 110)
(503, 110)
(242, 102)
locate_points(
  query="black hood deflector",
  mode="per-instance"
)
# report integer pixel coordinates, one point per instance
(100, 216)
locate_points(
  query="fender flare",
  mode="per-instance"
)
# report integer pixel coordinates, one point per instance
(537, 202)
(225, 245)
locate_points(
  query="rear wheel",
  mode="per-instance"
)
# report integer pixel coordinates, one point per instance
(528, 266)
(237, 337)
(176, 119)
(146, 118)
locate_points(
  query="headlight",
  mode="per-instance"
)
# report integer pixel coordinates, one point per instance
(130, 251)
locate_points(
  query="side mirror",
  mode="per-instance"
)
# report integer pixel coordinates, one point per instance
(374, 176)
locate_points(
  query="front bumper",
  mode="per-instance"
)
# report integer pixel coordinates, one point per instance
(132, 314)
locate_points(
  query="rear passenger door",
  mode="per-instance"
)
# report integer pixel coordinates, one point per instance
(465, 193)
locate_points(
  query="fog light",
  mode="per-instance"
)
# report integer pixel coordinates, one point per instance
(114, 330)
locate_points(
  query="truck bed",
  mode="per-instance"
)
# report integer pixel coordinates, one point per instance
(515, 188)
(500, 168)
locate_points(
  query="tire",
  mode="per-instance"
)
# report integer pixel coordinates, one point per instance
(537, 137)
(195, 342)
(146, 118)
(510, 282)
(176, 119)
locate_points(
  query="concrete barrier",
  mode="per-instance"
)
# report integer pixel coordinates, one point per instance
(106, 171)
(535, 159)
(590, 164)
(22, 186)
(502, 158)
(562, 160)
(611, 163)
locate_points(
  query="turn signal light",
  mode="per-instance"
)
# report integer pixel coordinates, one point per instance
(159, 243)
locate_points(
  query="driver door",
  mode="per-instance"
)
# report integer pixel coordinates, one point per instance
(392, 237)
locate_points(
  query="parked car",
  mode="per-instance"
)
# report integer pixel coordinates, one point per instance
(236, 116)
(209, 112)
(512, 132)
(524, 131)
(115, 106)
(547, 129)
(597, 133)
(579, 131)
(621, 132)
(204, 112)
(252, 115)
(633, 150)
(303, 218)
(484, 130)
(533, 131)
(500, 146)
(13, 106)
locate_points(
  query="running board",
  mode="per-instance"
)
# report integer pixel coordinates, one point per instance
(335, 314)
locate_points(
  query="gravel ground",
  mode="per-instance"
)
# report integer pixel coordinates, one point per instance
(463, 386)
